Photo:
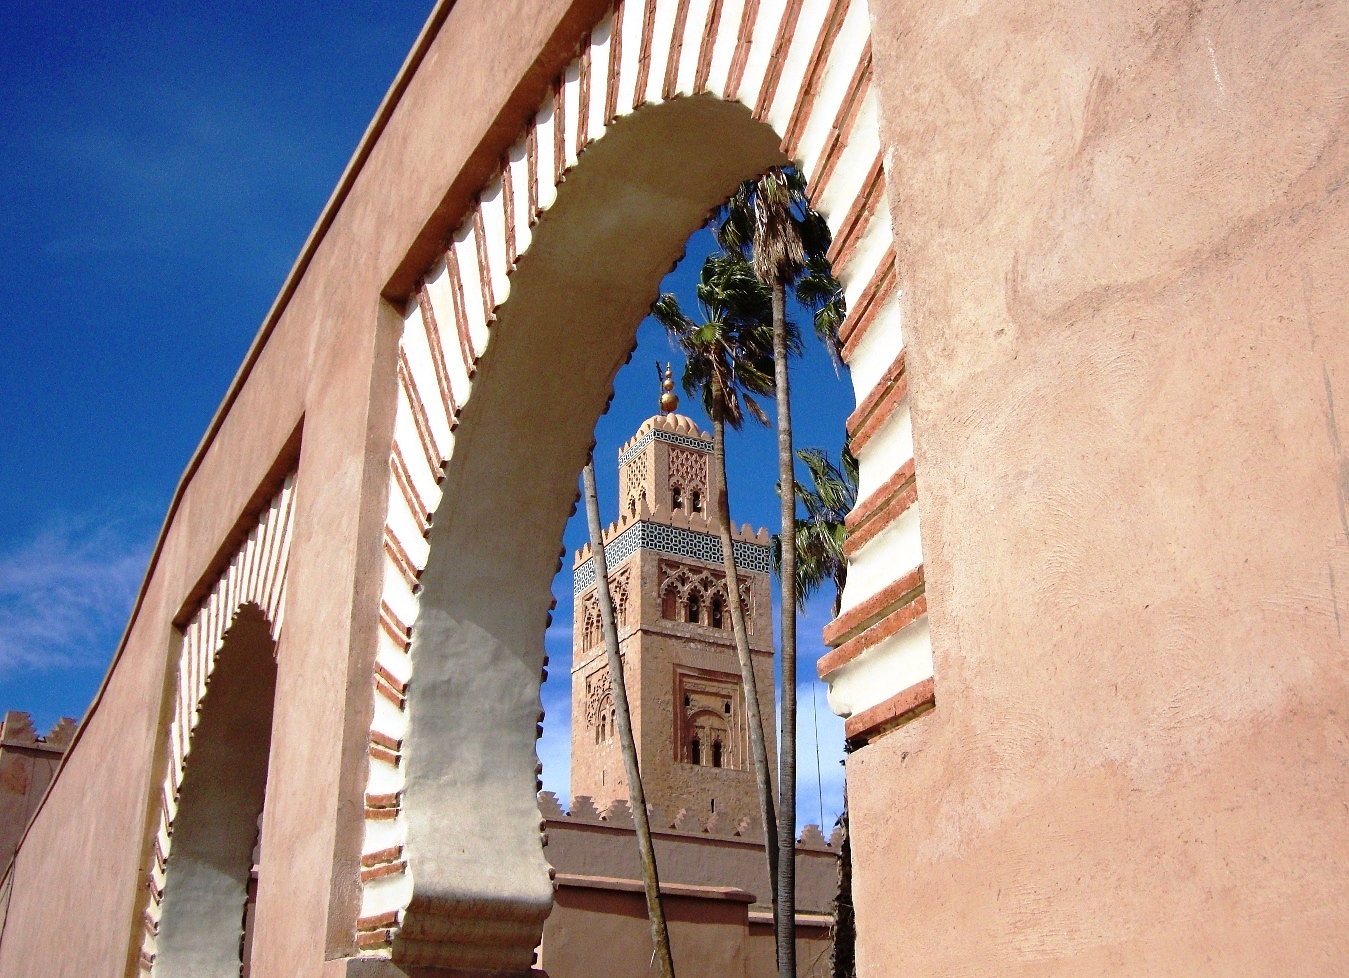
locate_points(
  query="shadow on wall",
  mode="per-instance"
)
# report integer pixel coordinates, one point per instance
(209, 887)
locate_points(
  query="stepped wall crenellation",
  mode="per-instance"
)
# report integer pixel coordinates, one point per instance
(619, 816)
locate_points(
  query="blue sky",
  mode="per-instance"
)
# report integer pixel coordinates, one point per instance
(161, 167)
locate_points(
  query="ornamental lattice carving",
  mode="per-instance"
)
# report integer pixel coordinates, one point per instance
(636, 477)
(599, 696)
(688, 470)
(677, 582)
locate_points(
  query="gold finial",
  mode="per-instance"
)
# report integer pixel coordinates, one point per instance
(668, 401)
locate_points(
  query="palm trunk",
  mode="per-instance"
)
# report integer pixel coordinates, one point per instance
(758, 747)
(660, 936)
(843, 957)
(786, 913)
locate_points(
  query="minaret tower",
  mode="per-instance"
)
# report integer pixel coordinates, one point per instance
(674, 628)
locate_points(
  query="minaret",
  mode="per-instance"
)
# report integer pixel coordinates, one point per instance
(674, 627)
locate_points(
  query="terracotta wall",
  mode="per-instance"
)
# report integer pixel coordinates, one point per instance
(1122, 232)
(599, 929)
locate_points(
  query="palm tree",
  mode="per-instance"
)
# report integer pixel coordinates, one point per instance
(770, 221)
(728, 359)
(820, 534)
(660, 936)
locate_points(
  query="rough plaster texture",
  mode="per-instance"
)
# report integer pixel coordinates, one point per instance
(693, 858)
(1126, 315)
(599, 927)
(27, 764)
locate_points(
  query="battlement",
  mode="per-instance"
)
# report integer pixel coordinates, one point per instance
(17, 730)
(619, 816)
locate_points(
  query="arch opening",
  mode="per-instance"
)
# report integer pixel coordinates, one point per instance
(619, 224)
(202, 926)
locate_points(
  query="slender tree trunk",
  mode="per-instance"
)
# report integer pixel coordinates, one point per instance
(843, 958)
(758, 747)
(786, 919)
(660, 936)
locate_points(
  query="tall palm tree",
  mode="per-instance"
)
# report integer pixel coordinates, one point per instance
(820, 534)
(770, 221)
(729, 360)
(660, 935)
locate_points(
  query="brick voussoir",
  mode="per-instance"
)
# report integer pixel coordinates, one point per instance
(873, 609)
(909, 704)
(895, 621)
(879, 499)
(893, 510)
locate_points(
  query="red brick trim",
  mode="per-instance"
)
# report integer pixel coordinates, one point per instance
(379, 872)
(532, 169)
(897, 507)
(384, 748)
(377, 921)
(396, 629)
(382, 808)
(898, 619)
(859, 215)
(615, 63)
(466, 350)
(393, 682)
(870, 506)
(707, 47)
(781, 45)
(559, 128)
(837, 139)
(744, 38)
(420, 514)
(644, 54)
(874, 608)
(420, 421)
(400, 558)
(437, 355)
(583, 98)
(862, 728)
(374, 940)
(379, 856)
(489, 302)
(676, 50)
(508, 210)
(877, 407)
(815, 68)
(868, 305)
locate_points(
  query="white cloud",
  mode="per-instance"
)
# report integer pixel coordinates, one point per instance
(65, 593)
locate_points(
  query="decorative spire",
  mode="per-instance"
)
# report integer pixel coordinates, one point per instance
(669, 403)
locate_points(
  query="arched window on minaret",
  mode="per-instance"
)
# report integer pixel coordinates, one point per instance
(695, 752)
(695, 608)
(716, 753)
(717, 612)
(676, 497)
(697, 501)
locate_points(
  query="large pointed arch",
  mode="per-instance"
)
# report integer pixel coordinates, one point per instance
(511, 340)
(250, 592)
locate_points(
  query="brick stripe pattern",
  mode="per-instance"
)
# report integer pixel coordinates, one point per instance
(802, 67)
(256, 575)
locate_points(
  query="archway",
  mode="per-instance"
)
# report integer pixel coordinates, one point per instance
(202, 917)
(511, 342)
